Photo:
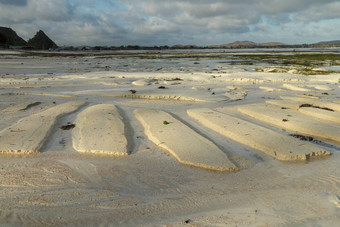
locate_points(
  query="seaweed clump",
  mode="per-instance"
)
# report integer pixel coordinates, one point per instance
(318, 107)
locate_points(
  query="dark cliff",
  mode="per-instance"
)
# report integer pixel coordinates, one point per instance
(10, 37)
(41, 42)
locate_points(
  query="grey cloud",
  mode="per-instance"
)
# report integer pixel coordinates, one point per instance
(317, 13)
(14, 2)
(213, 8)
(204, 13)
(36, 10)
(157, 22)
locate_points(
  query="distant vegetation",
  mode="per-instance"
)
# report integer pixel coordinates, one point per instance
(234, 45)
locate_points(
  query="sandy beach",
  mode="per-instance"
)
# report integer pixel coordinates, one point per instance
(168, 139)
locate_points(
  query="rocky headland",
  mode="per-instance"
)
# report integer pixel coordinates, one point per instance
(9, 38)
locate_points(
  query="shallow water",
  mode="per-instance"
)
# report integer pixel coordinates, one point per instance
(334, 68)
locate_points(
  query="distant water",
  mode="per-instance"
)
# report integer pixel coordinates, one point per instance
(261, 50)
(251, 50)
(334, 68)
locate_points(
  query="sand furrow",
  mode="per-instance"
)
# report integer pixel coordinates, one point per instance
(277, 145)
(309, 96)
(291, 120)
(187, 146)
(21, 106)
(100, 129)
(29, 134)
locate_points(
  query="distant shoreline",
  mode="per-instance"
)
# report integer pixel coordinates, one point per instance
(187, 53)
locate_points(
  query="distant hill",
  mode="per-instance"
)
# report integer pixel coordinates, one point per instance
(334, 42)
(248, 44)
(10, 38)
(272, 44)
(41, 41)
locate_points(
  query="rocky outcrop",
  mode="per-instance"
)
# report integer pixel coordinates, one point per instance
(8, 37)
(41, 42)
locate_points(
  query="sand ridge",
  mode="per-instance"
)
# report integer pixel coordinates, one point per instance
(291, 120)
(100, 129)
(316, 102)
(279, 146)
(29, 134)
(322, 87)
(270, 89)
(321, 114)
(187, 146)
(309, 109)
(296, 87)
(285, 104)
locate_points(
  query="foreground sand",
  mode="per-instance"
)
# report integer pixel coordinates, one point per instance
(86, 147)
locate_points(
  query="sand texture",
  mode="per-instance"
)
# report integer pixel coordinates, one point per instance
(322, 87)
(291, 120)
(296, 87)
(169, 138)
(277, 145)
(21, 106)
(285, 104)
(326, 104)
(29, 134)
(187, 146)
(321, 114)
(100, 129)
(309, 96)
(270, 89)
(141, 82)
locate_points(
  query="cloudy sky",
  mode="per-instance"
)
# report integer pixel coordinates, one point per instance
(170, 22)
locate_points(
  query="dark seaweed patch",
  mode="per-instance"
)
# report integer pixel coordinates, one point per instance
(68, 126)
(318, 107)
(302, 137)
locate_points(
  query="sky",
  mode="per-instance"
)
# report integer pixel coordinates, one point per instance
(171, 22)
